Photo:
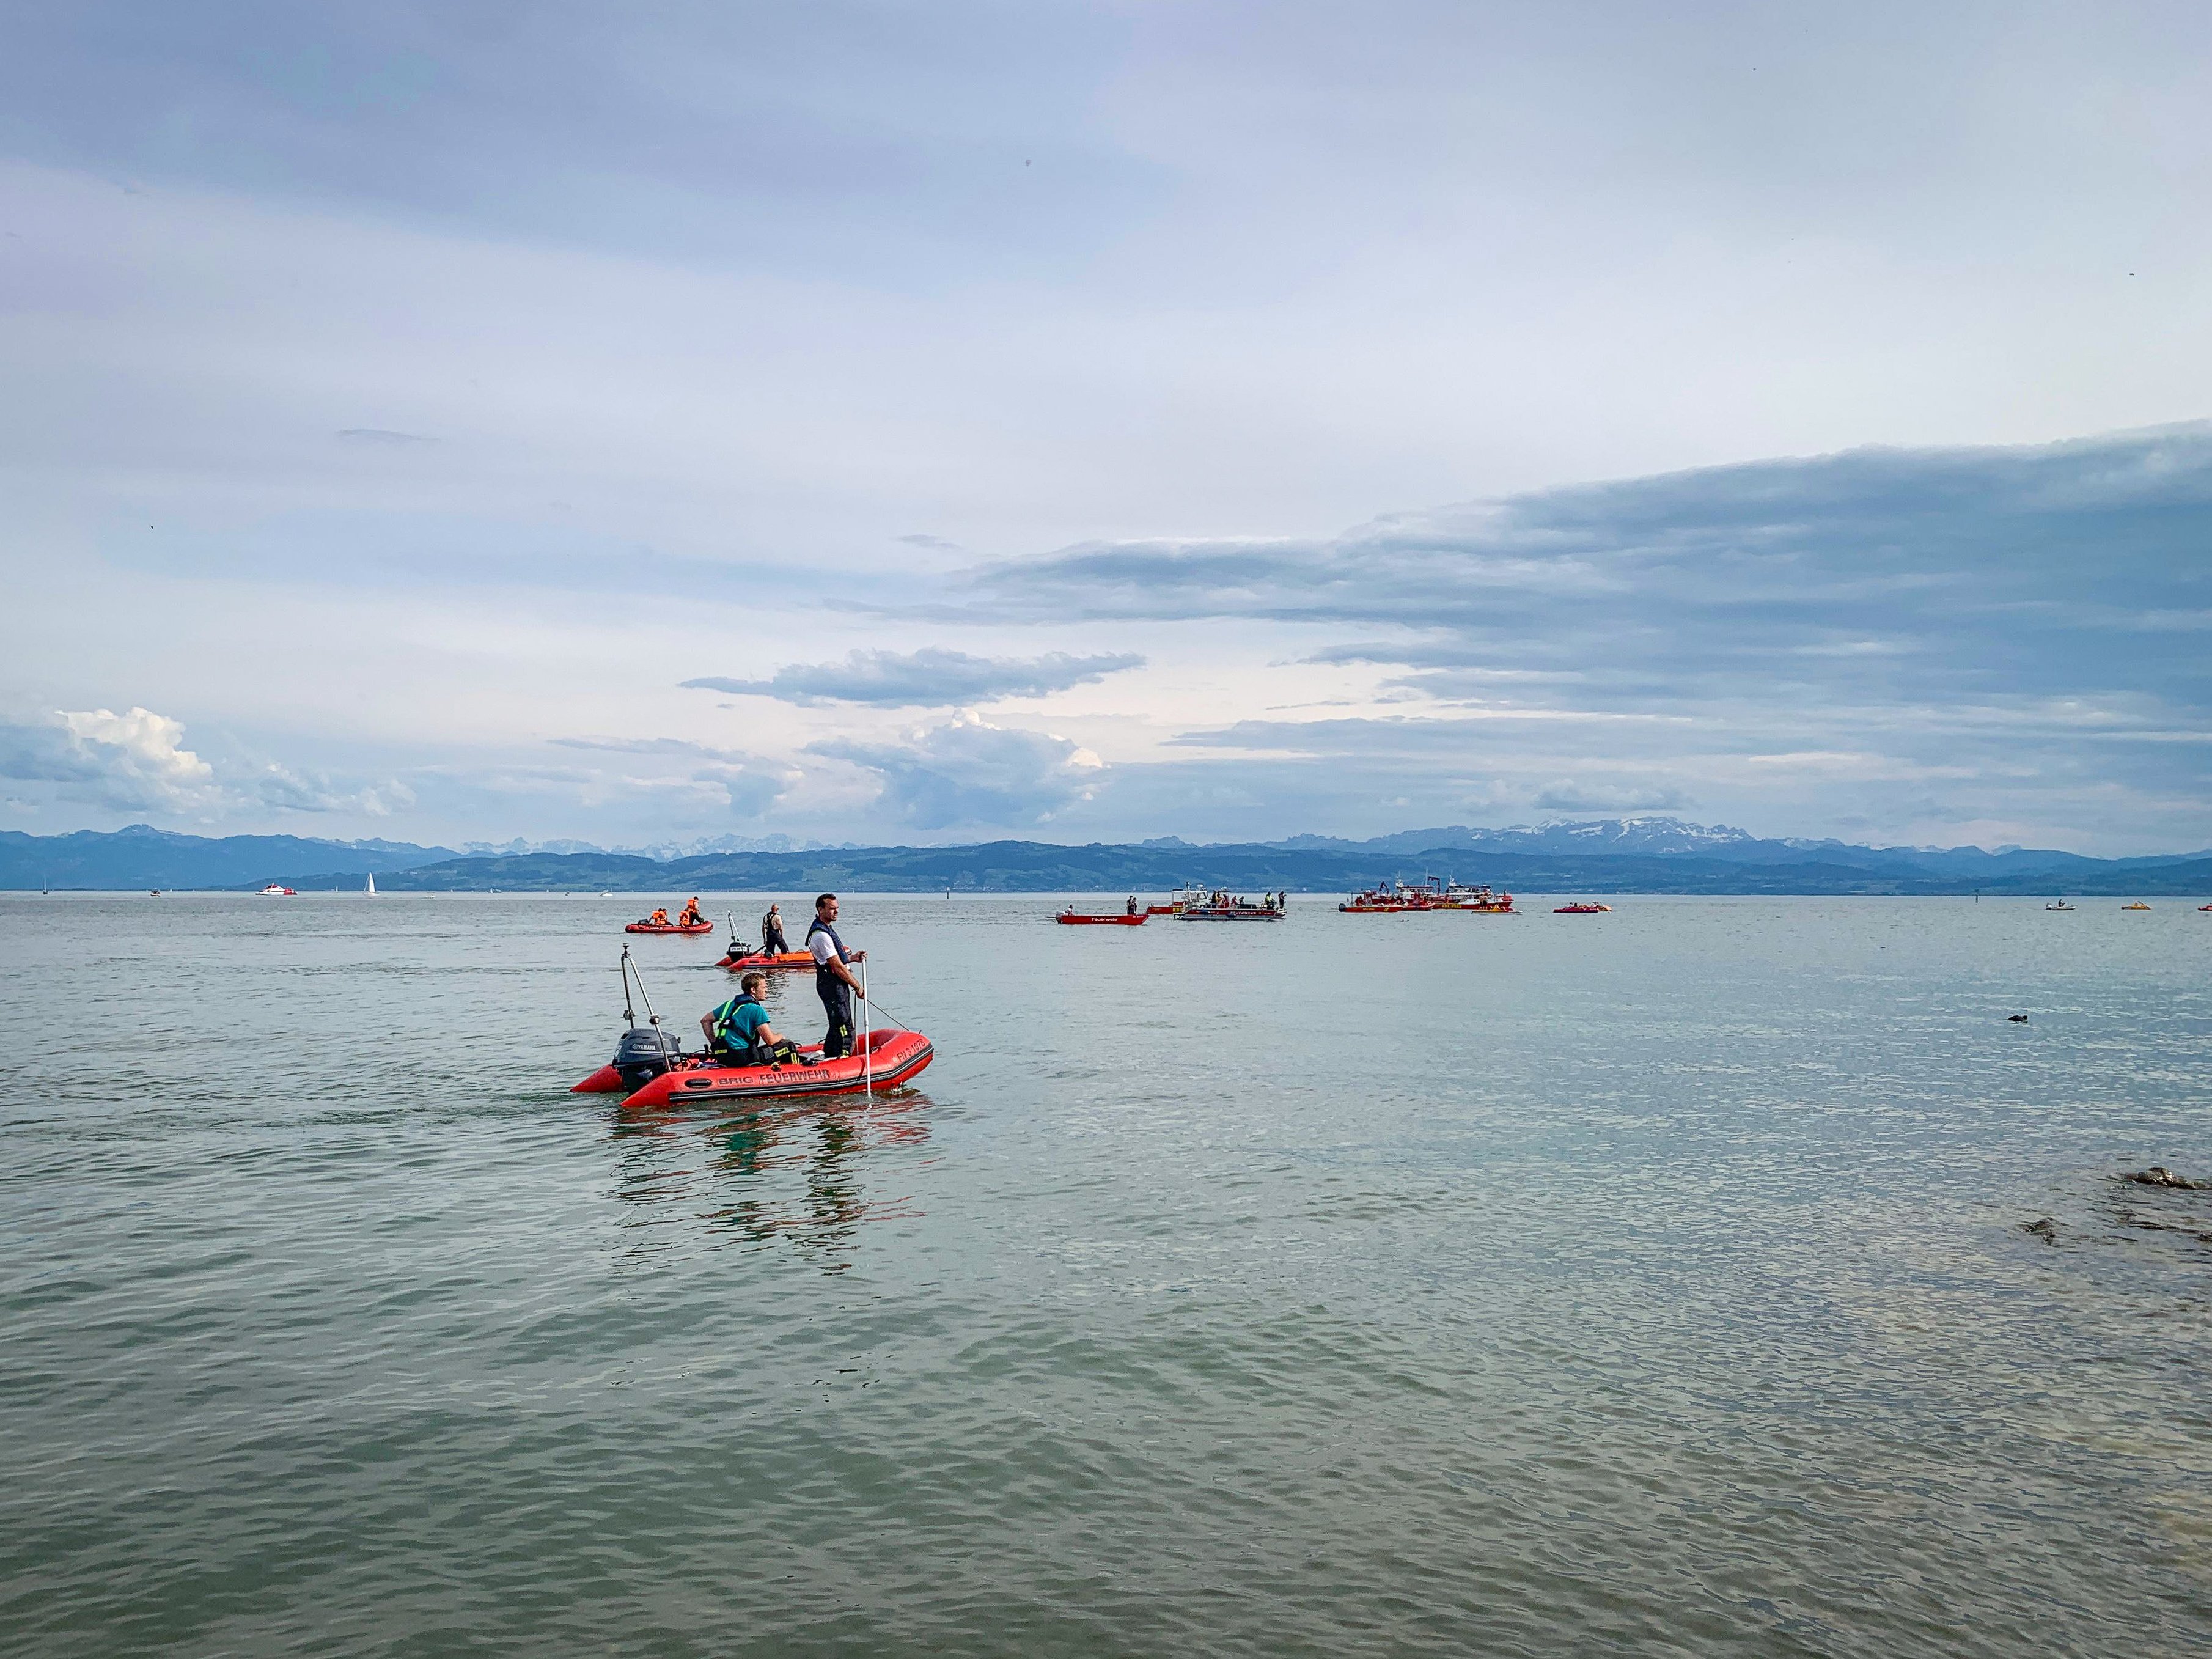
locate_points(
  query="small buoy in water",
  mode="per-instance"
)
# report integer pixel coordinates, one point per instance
(2017, 1019)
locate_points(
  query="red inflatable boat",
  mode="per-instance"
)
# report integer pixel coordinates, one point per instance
(738, 961)
(891, 1058)
(687, 930)
(1115, 919)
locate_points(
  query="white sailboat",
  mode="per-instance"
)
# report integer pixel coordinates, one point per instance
(371, 889)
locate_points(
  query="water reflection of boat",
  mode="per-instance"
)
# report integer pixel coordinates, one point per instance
(794, 1171)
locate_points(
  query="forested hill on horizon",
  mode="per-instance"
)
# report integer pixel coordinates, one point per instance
(1613, 855)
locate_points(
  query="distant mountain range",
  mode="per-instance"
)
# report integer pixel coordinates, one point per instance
(1609, 855)
(142, 856)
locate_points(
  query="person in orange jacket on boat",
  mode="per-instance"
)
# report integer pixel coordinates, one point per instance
(691, 916)
(659, 917)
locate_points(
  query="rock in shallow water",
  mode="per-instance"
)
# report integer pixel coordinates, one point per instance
(2158, 1175)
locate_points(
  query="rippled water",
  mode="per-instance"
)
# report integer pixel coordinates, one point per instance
(1647, 1282)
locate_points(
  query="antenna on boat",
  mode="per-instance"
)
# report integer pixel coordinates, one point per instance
(670, 1052)
(629, 973)
(867, 1047)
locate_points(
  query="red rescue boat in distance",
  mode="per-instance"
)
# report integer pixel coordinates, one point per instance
(890, 1059)
(1429, 893)
(1393, 897)
(690, 930)
(1072, 917)
(740, 961)
(1480, 900)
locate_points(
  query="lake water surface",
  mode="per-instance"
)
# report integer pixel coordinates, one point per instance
(1656, 1282)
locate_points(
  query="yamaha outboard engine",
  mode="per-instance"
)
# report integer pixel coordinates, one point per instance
(644, 1053)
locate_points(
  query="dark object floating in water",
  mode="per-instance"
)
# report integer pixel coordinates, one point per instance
(2158, 1175)
(2017, 1019)
(2047, 1229)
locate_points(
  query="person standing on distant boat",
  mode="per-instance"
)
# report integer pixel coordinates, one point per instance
(772, 943)
(833, 976)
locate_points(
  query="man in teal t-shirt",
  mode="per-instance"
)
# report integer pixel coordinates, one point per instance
(738, 1034)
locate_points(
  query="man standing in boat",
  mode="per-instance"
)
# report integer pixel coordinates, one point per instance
(772, 943)
(833, 976)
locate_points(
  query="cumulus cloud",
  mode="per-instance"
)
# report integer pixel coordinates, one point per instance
(136, 761)
(929, 677)
(969, 773)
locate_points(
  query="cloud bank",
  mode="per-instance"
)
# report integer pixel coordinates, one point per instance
(929, 677)
(2020, 634)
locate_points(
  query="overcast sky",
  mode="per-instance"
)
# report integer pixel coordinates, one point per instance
(932, 422)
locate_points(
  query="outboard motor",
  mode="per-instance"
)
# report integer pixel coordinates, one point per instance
(644, 1053)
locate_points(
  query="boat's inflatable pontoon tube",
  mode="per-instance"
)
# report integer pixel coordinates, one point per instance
(894, 1057)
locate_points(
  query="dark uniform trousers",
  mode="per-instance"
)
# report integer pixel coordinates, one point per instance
(837, 1003)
